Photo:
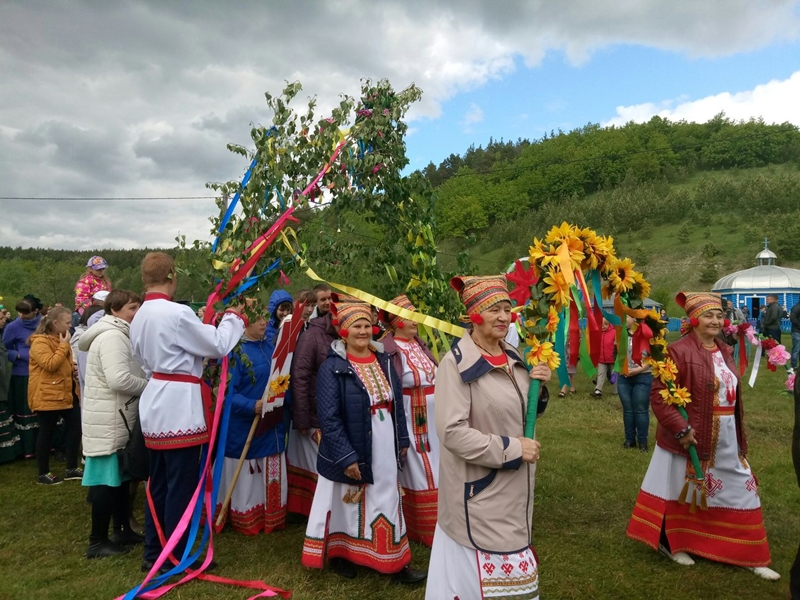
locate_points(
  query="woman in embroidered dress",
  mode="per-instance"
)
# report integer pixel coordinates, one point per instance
(94, 280)
(731, 528)
(482, 545)
(258, 502)
(356, 516)
(416, 368)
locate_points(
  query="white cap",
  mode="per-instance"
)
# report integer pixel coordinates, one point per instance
(100, 296)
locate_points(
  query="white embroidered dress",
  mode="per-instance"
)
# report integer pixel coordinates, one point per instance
(420, 477)
(731, 530)
(363, 523)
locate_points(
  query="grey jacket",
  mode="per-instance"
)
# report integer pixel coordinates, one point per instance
(772, 317)
(485, 490)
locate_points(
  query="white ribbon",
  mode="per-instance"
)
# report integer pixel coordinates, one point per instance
(756, 364)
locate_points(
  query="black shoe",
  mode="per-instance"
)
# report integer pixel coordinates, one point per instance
(343, 568)
(597, 394)
(409, 576)
(643, 447)
(629, 445)
(127, 538)
(73, 474)
(104, 549)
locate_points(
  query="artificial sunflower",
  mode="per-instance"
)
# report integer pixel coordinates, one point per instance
(541, 353)
(665, 369)
(552, 320)
(556, 286)
(677, 396)
(640, 288)
(595, 248)
(542, 255)
(278, 386)
(622, 275)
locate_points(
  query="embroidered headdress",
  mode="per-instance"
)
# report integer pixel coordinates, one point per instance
(394, 321)
(346, 310)
(480, 293)
(696, 303)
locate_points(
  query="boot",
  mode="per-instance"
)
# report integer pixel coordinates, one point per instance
(104, 548)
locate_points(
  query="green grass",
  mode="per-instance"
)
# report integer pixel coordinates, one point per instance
(585, 490)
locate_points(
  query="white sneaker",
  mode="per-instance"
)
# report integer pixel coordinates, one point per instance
(679, 557)
(765, 573)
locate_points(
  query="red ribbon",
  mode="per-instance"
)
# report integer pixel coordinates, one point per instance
(574, 334)
(592, 322)
(742, 354)
(641, 342)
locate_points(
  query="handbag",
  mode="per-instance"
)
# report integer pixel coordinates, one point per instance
(134, 457)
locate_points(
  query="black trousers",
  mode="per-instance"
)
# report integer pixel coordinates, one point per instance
(47, 427)
(794, 577)
(109, 503)
(173, 478)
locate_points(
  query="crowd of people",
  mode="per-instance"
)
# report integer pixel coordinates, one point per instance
(375, 443)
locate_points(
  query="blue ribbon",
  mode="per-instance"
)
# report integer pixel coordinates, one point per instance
(598, 296)
(561, 343)
(232, 206)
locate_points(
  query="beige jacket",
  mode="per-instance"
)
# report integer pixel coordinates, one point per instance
(485, 490)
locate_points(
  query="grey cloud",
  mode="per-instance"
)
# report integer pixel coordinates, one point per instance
(139, 98)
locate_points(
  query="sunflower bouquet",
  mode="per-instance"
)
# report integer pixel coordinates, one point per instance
(563, 284)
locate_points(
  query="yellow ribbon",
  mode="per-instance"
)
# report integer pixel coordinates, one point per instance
(393, 309)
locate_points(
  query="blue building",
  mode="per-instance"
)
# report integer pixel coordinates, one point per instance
(751, 286)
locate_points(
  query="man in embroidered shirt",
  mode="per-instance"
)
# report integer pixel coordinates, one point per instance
(171, 343)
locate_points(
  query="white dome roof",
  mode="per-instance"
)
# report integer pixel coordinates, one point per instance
(764, 278)
(766, 253)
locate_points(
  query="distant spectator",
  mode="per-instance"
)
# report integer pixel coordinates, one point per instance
(9, 437)
(733, 314)
(309, 300)
(794, 317)
(760, 322)
(572, 370)
(771, 321)
(77, 355)
(93, 280)
(608, 355)
(201, 312)
(15, 338)
(53, 393)
(662, 314)
(745, 312)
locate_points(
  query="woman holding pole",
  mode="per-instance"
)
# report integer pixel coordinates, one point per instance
(726, 525)
(482, 543)
(258, 500)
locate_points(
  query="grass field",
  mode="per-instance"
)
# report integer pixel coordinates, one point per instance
(585, 490)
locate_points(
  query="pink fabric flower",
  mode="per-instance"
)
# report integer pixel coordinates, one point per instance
(751, 336)
(778, 355)
(790, 382)
(730, 330)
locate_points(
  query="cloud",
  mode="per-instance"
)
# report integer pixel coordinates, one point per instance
(775, 102)
(473, 115)
(140, 98)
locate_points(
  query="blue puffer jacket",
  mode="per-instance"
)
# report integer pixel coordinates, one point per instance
(277, 298)
(346, 420)
(243, 393)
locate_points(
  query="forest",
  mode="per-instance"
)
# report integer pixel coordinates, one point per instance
(676, 195)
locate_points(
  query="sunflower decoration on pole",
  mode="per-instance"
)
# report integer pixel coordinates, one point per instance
(571, 270)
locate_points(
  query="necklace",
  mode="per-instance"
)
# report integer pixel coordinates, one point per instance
(711, 347)
(485, 351)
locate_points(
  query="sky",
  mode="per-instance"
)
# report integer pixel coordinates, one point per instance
(138, 99)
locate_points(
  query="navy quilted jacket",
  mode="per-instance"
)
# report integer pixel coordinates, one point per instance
(346, 420)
